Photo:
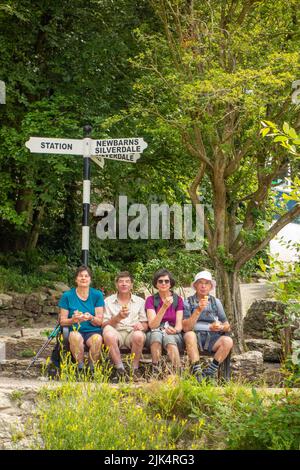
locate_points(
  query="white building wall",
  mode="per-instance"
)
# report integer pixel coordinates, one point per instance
(290, 233)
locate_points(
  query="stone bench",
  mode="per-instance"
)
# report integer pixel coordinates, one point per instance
(224, 369)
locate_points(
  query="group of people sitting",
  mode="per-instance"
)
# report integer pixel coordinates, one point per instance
(162, 322)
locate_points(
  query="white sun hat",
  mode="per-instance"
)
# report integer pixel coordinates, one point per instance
(204, 275)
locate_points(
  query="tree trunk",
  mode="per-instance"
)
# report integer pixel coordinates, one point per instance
(228, 290)
(36, 227)
(286, 341)
(24, 203)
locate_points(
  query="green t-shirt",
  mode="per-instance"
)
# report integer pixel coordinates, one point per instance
(71, 302)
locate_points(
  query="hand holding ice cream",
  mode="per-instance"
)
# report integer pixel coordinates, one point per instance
(203, 303)
(124, 312)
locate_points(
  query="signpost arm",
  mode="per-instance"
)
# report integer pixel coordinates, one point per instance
(123, 150)
(85, 242)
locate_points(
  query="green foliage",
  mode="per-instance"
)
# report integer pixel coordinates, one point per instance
(27, 353)
(285, 280)
(287, 137)
(183, 265)
(52, 91)
(175, 414)
(239, 418)
(206, 77)
(16, 395)
(104, 280)
(23, 271)
(276, 426)
(79, 427)
(194, 81)
(252, 269)
(291, 369)
(226, 258)
(12, 280)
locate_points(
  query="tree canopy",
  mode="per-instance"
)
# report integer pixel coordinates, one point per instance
(194, 78)
(209, 76)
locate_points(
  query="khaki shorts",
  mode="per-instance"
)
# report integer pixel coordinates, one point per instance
(124, 336)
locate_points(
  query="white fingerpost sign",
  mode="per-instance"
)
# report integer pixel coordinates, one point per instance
(126, 150)
(107, 147)
(60, 146)
(122, 150)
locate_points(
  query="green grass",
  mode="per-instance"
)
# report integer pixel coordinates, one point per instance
(27, 353)
(16, 395)
(14, 280)
(174, 414)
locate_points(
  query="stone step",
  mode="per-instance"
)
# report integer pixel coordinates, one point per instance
(16, 368)
(12, 348)
(25, 343)
(15, 347)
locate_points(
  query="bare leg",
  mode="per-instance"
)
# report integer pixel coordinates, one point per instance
(94, 344)
(222, 348)
(138, 341)
(173, 354)
(111, 341)
(191, 344)
(76, 346)
(156, 350)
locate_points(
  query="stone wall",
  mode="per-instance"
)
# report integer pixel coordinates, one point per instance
(17, 310)
(255, 321)
(257, 328)
(39, 310)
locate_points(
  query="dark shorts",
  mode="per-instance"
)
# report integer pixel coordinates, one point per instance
(89, 334)
(207, 339)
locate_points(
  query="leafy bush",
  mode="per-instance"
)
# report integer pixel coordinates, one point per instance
(11, 279)
(25, 271)
(174, 414)
(104, 280)
(251, 269)
(183, 265)
(27, 353)
(285, 279)
(275, 426)
(90, 417)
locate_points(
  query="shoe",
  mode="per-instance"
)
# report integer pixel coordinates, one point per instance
(209, 377)
(120, 376)
(91, 371)
(197, 372)
(156, 372)
(198, 377)
(137, 374)
(80, 373)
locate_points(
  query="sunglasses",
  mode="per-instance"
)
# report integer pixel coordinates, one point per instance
(163, 281)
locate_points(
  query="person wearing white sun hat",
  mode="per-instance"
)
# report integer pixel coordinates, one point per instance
(205, 327)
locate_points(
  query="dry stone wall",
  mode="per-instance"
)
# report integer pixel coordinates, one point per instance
(17, 310)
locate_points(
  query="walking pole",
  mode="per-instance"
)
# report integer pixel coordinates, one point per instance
(52, 335)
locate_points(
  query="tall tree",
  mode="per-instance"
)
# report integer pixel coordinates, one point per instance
(213, 72)
(65, 63)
